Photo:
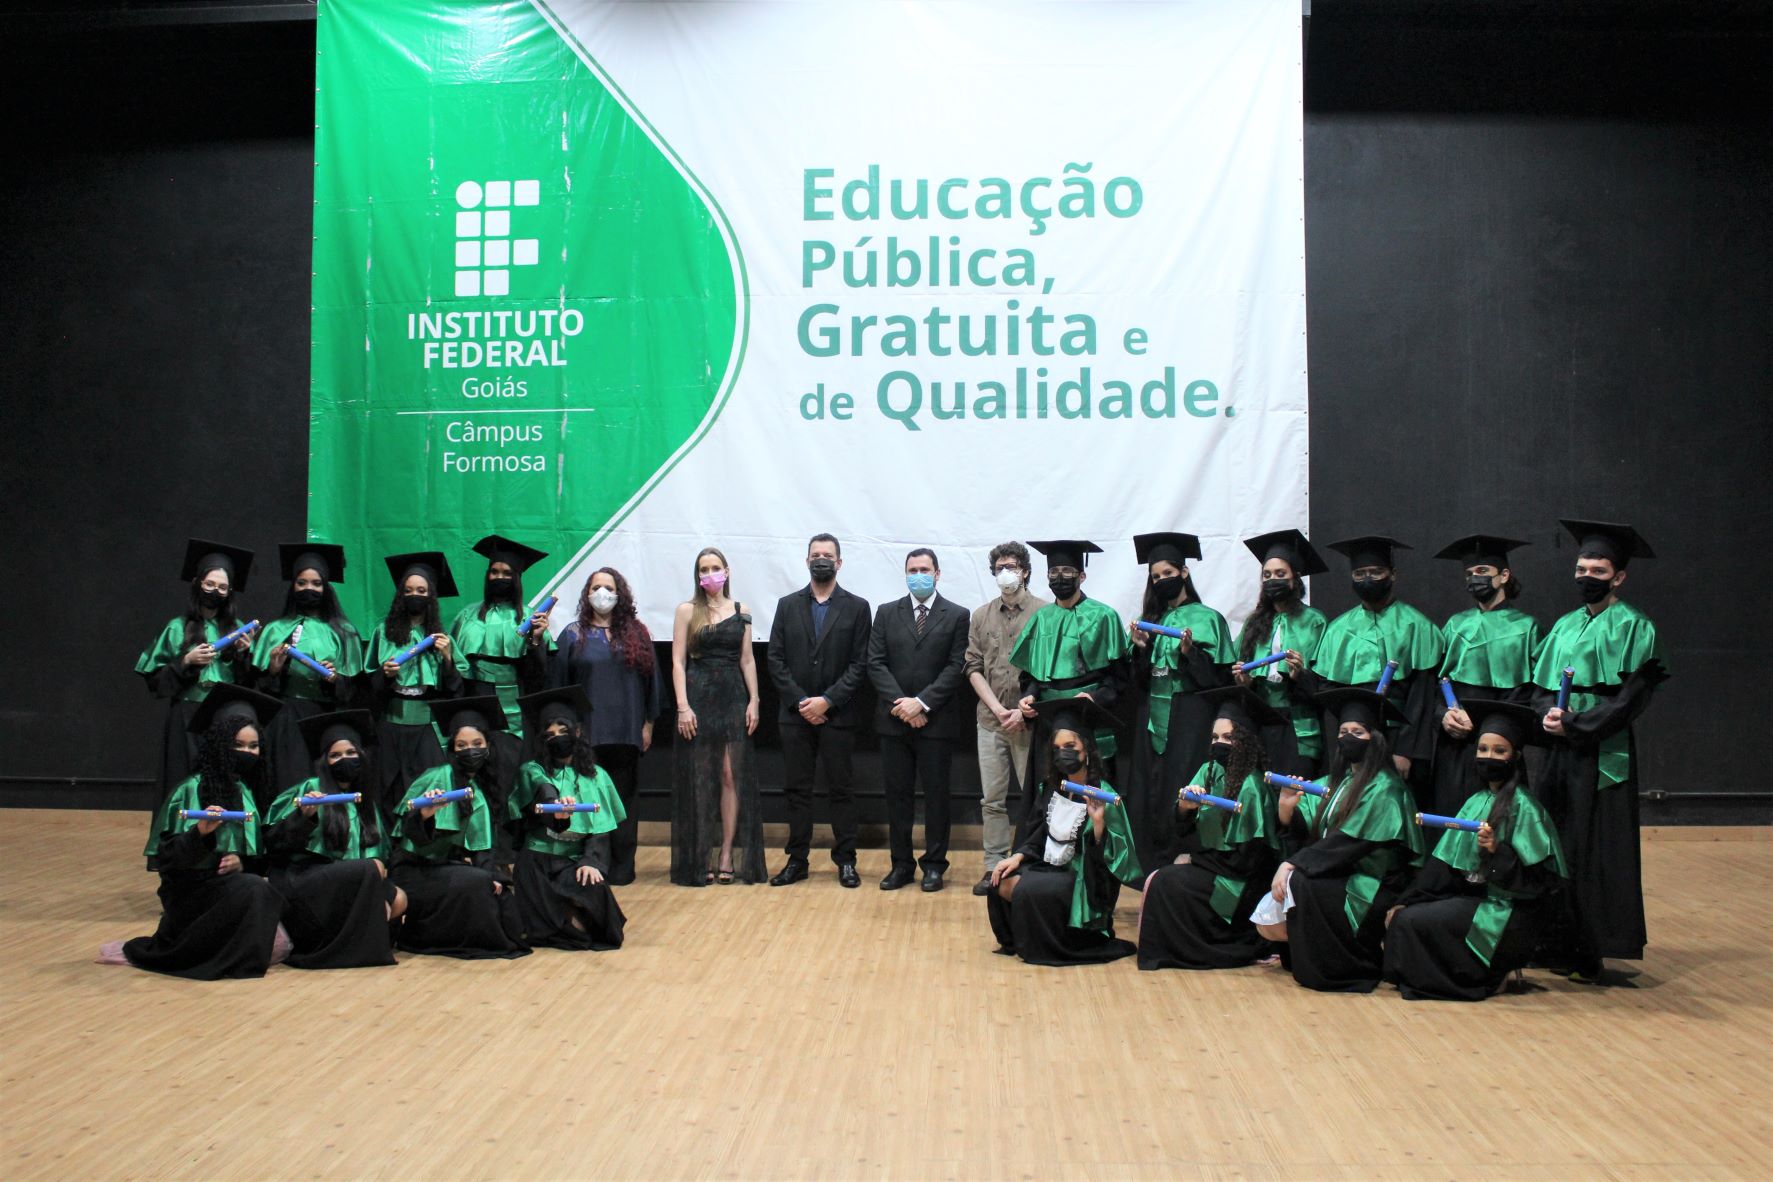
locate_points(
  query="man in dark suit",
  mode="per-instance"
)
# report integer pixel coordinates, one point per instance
(916, 659)
(818, 657)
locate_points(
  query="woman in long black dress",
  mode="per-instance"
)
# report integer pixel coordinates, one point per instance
(182, 664)
(1363, 849)
(1196, 912)
(314, 624)
(458, 901)
(609, 652)
(1052, 900)
(401, 695)
(329, 861)
(716, 818)
(563, 860)
(218, 913)
(1477, 909)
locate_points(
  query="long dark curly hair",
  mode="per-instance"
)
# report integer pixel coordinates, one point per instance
(1248, 758)
(399, 627)
(226, 619)
(217, 782)
(583, 758)
(335, 823)
(329, 612)
(1092, 769)
(629, 639)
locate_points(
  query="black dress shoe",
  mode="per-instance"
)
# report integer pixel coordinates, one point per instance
(793, 872)
(898, 876)
(983, 886)
(932, 881)
(846, 875)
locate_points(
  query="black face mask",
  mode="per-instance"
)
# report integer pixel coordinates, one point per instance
(823, 570)
(1372, 590)
(1353, 748)
(213, 599)
(471, 759)
(346, 769)
(415, 605)
(308, 598)
(1220, 753)
(500, 588)
(1494, 771)
(561, 746)
(1168, 588)
(1069, 761)
(1593, 590)
(1275, 590)
(1481, 587)
(1063, 588)
(243, 761)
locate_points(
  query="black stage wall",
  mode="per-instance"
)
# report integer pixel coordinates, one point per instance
(1539, 271)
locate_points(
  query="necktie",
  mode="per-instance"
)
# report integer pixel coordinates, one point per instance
(923, 613)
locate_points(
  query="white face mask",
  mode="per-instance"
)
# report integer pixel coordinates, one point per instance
(1009, 579)
(603, 599)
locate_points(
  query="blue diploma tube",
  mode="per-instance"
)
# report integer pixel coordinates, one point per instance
(1270, 659)
(1448, 822)
(425, 802)
(308, 802)
(1105, 795)
(224, 815)
(584, 806)
(1569, 675)
(415, 650)
(546, 606)
(320, 671)
(230, 638)
(1305, 786)
(1447, 694)
(1218, 802)
(1385, 678)
(1158, 629)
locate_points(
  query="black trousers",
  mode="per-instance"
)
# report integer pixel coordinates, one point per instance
(905, 762)
(824, 750)
(622, 762)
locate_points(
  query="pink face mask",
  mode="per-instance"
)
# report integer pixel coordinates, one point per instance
(713, 581)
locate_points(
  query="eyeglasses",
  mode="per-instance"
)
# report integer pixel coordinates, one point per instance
(1063, 572)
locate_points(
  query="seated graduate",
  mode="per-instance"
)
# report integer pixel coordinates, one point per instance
(182, 665)
(218, 913)
(1196, 912)
(1479, 905)
(312, 623)
(458, 902)
(329, 861)
(1363, 849)
(400, 694)
(563, 860)
(1052, 900)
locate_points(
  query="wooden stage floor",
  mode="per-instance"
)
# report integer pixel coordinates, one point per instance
(813, 1032)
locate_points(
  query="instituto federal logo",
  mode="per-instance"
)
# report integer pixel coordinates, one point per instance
(485, 250)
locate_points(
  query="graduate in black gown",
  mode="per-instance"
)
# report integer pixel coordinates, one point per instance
(1196, 911)
(181, 665)
(1052, 900)
(1476, 910)
(1351, 854)
(401, 695)
(1591, 777)
(1174, 721)
(218, 913)
(329, 862)
(495, 658)
(1489, 655)
(459, 902)
(313, 623)
(563, 861)
(1282, 622)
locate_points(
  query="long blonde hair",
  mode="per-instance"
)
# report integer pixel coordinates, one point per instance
(699, 603)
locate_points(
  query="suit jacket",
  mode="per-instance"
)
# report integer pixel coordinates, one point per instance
(834, 665)
(931, 667)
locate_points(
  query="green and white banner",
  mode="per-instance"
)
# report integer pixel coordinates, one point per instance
(621, 280)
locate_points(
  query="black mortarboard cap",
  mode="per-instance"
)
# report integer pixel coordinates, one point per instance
(1066, 552)
(328, 559)
(1166, 547)
(226, 700)
(1617, 543)
(430, 563)
(1368, 550)
(497, 548)
(201, 556)
(1480, 550)
(1291, 547)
